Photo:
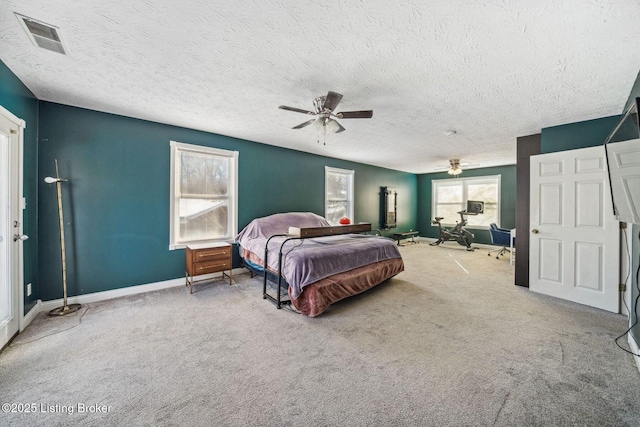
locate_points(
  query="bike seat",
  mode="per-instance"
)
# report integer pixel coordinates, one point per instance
(438, 218)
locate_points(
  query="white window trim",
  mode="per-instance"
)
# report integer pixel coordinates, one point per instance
(498, 178)
(174, 216)
(350, 198)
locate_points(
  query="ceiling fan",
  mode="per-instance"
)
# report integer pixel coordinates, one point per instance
(455, 167)
(324, 107)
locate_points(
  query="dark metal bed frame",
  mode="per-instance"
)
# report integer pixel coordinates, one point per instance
(277, 301)
(304, 233)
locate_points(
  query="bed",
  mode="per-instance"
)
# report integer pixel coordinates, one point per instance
(316, 272)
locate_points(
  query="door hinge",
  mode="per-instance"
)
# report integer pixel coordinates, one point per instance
(622, 287)
(623, 225)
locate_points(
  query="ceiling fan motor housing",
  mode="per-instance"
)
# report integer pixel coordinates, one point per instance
(318, 103)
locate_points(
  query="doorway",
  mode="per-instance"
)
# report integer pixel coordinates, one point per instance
(11, 237)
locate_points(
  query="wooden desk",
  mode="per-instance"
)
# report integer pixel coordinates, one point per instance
(208, 258)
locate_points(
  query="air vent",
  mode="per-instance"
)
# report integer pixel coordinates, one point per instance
(42, 35)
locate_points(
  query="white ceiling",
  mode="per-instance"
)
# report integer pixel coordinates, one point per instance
(490, 70)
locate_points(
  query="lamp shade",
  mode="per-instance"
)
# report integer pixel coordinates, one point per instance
(52, 180)
(332, 125)
(319, 124)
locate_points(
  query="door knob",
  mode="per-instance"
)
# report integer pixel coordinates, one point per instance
(534, 231)
(22, 237)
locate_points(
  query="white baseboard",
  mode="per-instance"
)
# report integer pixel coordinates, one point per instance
(35, 310)
(633, 345)
(122, 292)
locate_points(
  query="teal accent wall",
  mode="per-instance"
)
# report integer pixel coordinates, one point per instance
(507, 200)
(18, 99)
(117, 199)
(572, 136)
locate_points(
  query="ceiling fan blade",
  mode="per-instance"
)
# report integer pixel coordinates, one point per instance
(297, 110)
(365, 114)
(340, 128)
(332, 100)
(301, 125)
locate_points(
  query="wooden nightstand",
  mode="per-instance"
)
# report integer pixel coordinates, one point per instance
(208, 258)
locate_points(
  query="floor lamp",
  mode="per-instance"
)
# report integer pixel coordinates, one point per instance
(66, 308)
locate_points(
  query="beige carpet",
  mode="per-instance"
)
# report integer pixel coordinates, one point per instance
(450, 341)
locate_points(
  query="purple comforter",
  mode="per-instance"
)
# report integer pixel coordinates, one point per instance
(309, 260)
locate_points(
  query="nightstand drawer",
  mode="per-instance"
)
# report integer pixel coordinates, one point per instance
(211, 266)
(203, 255)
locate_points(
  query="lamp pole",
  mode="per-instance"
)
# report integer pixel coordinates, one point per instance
(65, 309)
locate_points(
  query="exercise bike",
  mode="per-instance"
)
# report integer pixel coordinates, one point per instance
(457, 232)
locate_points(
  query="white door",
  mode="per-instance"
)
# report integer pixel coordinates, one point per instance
(10, 225)
(624, 171)
(574, 237)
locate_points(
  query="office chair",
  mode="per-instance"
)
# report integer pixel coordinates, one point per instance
(500, 237)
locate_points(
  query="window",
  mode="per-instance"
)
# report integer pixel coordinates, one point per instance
(338, 185)
(204, 194)
(449, 196)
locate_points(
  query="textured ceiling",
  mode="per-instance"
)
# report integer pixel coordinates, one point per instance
(490, 70)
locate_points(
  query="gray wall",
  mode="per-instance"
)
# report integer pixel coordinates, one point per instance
(635, 271)
(635, 286)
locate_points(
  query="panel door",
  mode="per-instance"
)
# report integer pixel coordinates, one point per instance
(574, 237)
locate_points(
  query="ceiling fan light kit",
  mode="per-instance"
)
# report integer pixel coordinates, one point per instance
(324, 107)
(455, 169)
